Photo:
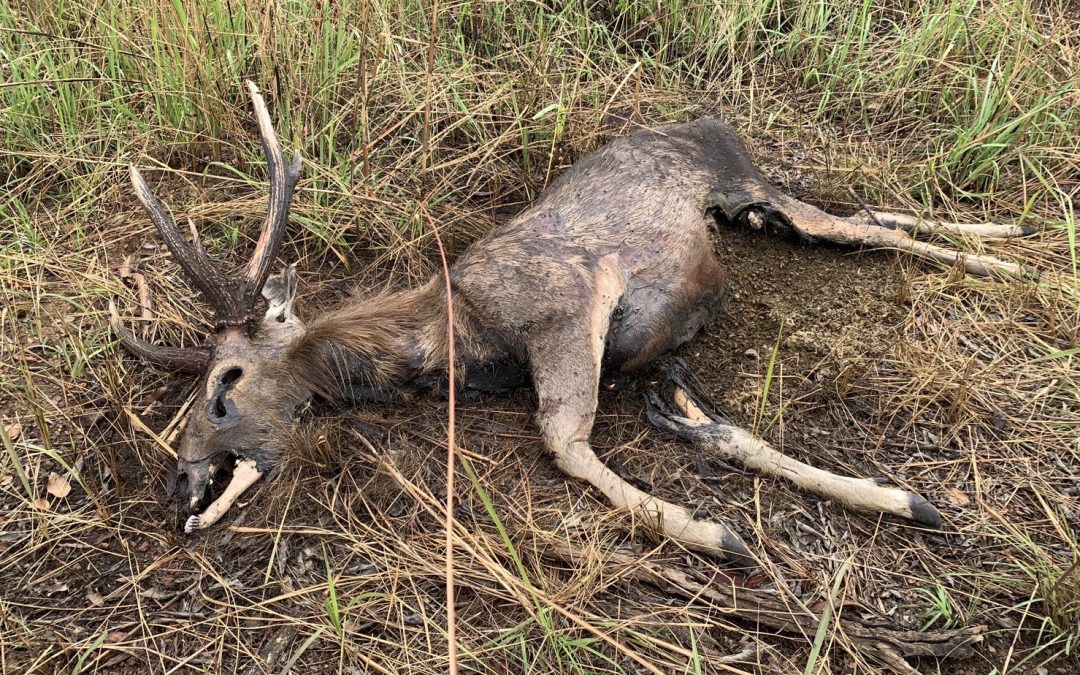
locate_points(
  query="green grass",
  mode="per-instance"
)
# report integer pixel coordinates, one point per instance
(987, 92)
(941, 610)
(965, 110)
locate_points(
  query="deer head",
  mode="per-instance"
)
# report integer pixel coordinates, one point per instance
(239, 420)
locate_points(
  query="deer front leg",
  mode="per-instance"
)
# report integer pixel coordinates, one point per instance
(565, 363)
(684, 413)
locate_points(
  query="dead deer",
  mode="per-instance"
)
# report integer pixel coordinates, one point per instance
(612, 267)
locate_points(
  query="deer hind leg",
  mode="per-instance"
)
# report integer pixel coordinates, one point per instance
(681, 411)
(887, 230)
(915, 226)
(565, 364)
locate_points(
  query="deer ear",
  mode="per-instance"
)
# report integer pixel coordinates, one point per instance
(280, 291)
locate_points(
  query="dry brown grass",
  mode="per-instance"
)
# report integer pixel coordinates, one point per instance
(963, 390)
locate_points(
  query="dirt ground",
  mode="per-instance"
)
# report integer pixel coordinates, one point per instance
(881, 370)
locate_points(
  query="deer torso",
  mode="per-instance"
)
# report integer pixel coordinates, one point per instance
(644, 202)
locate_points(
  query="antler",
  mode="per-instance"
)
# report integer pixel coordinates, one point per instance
(282, 183)
(185, 360)
(233, 299)
(192, 259)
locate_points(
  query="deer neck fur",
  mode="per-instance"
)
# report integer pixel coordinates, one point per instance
(369, 348)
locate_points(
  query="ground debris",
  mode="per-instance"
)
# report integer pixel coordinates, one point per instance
(888, 644)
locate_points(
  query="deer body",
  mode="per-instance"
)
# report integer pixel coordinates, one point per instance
(620, 213)
(631, 218)
(610, 268)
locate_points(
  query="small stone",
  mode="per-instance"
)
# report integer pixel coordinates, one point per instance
(752, 353)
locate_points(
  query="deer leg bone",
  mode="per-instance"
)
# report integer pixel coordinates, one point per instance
(975, 264)
(915, 226)
(861, 230)
(978, 265)
(688, 417)
(672, 520)
(244, 476)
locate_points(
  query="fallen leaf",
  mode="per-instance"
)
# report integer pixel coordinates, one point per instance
(58, 587)
(575, 521)
(156, 594)
(755, 581)
(41, 503)
(57, 485)
(95, 598)
(957, 497)
(13, 431)
(118, 635)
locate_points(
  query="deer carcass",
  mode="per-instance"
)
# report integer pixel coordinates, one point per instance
(611, 267)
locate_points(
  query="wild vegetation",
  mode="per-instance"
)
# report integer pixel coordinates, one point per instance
(419, 114)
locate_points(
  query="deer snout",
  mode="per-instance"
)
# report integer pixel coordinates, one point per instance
(193, 480)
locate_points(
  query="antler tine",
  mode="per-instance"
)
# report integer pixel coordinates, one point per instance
(189, 360)
(233, 301)
(283, 180)
(190, 258)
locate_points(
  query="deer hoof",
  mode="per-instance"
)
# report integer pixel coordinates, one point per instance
(736, 552)
(923, 512)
